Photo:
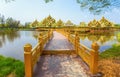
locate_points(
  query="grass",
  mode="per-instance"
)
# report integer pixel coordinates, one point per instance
(109, 63)
(112, 52)
(10, 65)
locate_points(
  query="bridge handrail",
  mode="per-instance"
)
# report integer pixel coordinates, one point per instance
(86, 48)
(31, 55)
(89, 55)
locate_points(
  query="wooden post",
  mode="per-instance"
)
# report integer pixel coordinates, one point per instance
(76, 42)
(51, 33)
(39, 37)
(28, 60)
(48, 34)
(40, 41)
(94, 58)
(68, 34)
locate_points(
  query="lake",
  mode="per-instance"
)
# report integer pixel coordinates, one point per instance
(12, 43)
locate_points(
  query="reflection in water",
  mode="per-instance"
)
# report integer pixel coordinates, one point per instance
(105, 40)
(11, 43)
(8, 35)
(13, 35)
(118, 37)
(0, 42)
(102, 38)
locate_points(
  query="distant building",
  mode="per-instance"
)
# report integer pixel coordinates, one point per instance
(101, 23)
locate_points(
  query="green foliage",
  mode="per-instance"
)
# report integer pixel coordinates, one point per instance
(9, 0)
(117, 25)
(48, 22)
(83, 24)
(68, 23)
(10, 65)
(10, 22)
(2, 21)
(27, 25)
(118, 37)
(19, 68)
(46, 1)
(99, 6)
(96, 6)
(59, 23)
(35, 24)
(112, 52)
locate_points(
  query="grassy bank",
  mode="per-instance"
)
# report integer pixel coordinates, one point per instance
(10, 66)
(109, 63)
(113, 52)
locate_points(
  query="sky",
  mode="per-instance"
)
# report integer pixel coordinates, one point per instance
(30, 10)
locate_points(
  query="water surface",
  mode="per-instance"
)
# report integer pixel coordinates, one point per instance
(12, 43)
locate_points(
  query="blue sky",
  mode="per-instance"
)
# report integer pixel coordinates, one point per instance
(29, 10)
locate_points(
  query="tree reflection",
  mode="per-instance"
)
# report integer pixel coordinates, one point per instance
(0, 43)
(102, 38)
(93, 38)
(82, 36)
(8, 35)
(2, 38)
(118, 37)
(12, 35)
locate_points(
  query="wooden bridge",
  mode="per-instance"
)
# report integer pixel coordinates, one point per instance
(60, 54)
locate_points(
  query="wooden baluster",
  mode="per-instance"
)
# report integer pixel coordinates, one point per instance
(94, 58)
(28, 60)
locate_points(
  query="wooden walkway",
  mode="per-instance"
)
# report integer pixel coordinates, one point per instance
(59, 42)
(60, 65)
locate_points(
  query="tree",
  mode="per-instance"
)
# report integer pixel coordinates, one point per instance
(35, 23)
(48, 1)
(44, 22)
(59, 23)
(27, 24)
(9, 0)
(68, 23)
(82, 24)
(96, 6)
(2, 20)
(49, 21)
(11, 23)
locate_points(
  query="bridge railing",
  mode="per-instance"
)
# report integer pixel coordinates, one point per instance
(31, 55)
(90, 56)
